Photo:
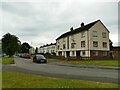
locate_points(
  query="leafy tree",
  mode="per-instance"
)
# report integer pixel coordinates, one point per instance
(10, 44)
(25, 48)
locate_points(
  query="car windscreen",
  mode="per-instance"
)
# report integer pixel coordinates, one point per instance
(40, 57)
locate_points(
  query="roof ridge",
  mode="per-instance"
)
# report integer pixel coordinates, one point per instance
(79, 29)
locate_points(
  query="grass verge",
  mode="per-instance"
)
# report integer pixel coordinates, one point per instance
(12, 79)
(7, 60)
(89, 62)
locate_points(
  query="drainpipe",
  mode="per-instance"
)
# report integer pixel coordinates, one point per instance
(88, 42)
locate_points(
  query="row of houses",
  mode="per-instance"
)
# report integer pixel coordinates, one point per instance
(87, 41)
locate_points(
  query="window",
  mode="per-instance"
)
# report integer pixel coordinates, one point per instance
(63, 46)
(105, 44)
(95, 44)
(58, 47)
(72, 45)
(83, 34)
(82, 43)
(94, 33)
(83, 53)
(104, 53)
(95, 53)
(104, 34)
(73, 53)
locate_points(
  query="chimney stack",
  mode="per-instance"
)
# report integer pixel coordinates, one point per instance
(71, 29)
(82, 24)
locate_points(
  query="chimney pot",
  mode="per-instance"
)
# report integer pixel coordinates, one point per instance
(82, 24)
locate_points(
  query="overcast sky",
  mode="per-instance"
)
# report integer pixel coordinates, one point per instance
(41, 22)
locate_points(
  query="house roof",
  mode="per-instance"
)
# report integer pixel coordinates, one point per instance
(47, 45)
(77, 30)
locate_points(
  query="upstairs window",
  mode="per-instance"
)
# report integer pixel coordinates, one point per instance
(58, 47)
(104, 34)
(95, 43)
(82, 34)
(63, 46)
(104, 44)
(82, 43)
(95, 34)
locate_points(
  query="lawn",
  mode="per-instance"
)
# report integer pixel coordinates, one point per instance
(12, 79)
(7, 60)
(89, 62)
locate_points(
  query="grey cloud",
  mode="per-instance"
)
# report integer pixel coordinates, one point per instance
(48, 20)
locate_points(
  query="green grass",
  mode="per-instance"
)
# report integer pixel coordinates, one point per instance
(7, 60)
(12, 79)
(89, 62)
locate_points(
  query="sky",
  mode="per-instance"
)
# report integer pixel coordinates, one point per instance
(40, 22)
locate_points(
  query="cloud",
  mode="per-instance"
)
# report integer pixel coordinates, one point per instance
(42, 22)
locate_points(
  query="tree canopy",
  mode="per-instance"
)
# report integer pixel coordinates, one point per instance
(25, 48)
(10, 44)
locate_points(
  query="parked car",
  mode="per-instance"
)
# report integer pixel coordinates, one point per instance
(20, 54)
(39, 58)
(26, 55)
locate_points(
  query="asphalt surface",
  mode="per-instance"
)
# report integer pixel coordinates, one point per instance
(59, 71)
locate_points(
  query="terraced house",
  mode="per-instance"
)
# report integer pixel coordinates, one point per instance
(88, 41)
(49, 48)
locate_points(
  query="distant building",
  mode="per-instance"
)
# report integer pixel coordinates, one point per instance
(32, 50)
(116, 52)
(87, 41)
(49, 48)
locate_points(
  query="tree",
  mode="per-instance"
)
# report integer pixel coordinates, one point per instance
(25, 48)
(10, 44)
(111, 44)
(36, 50)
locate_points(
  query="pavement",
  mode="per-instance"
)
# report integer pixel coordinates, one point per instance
(85, 66)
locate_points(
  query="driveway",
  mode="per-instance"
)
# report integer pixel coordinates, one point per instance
(48, 69)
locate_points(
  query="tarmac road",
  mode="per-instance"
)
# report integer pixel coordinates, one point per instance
(52, 70)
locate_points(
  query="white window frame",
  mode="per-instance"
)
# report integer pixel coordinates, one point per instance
(95, 43)
(82, 43)
(104, 44)
(95, 34)
(64, 46)
(104, 34)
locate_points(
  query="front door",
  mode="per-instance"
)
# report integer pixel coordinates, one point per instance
(77, 53)
(67, 53)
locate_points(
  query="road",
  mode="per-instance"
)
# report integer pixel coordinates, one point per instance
(49, 69)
